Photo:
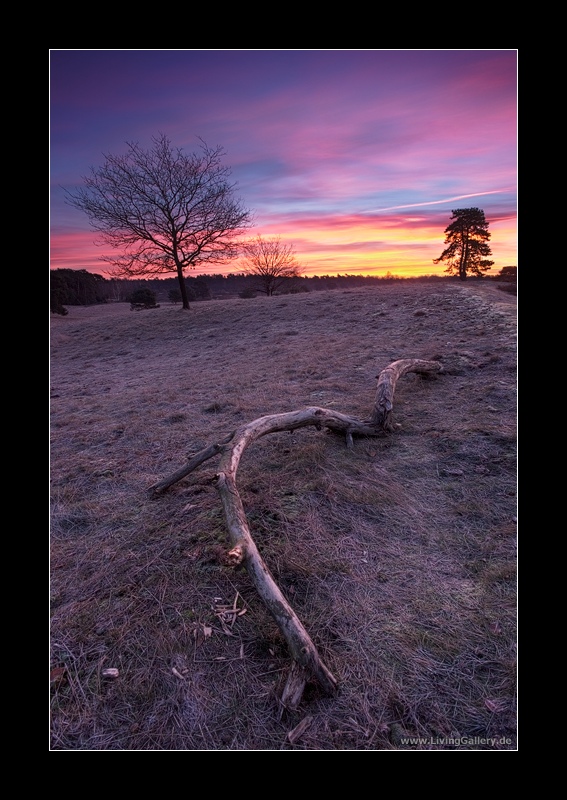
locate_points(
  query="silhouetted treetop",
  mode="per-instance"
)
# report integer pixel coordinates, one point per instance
(467, 239)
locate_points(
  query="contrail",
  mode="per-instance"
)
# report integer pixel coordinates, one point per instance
(446, 200)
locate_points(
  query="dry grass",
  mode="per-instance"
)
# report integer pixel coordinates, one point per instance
(398, 556)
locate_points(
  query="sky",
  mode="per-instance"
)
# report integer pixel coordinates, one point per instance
(356, 158)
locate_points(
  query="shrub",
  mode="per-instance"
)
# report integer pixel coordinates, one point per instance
(245, 294)
(58, 308)
(508, 274)
(142, 298)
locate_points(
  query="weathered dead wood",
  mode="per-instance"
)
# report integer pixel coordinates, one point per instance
(307, 664)
(299, 730)
(196, 461)
(387, 379)
(244, 550)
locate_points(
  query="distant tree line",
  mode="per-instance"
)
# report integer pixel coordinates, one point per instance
(75, 287)
(70, 287)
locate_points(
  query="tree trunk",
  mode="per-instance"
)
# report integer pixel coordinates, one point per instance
(464, 259)
(307, 664)
(182, 287)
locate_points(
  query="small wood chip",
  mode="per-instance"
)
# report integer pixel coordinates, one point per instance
(110, 672)
(177, 674)
(299, 730)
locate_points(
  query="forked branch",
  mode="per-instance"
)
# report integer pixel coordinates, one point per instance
(308, 664)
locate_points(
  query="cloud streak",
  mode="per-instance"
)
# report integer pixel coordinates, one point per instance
(445, 200)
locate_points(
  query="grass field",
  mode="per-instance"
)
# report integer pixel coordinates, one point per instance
(399, 556)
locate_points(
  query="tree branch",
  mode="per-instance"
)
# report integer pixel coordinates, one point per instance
(307, 662)
(198, 459)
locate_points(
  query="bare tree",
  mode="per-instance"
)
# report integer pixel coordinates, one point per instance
(166, 211)
(271, 262)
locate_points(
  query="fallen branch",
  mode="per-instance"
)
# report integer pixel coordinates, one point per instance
(307, 663)
(387, 379)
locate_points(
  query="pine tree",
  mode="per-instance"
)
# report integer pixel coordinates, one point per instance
(467, 237)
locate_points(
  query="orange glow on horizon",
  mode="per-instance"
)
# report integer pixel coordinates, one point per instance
(404, 248)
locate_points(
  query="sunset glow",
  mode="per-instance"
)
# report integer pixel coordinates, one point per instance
(357, 157)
